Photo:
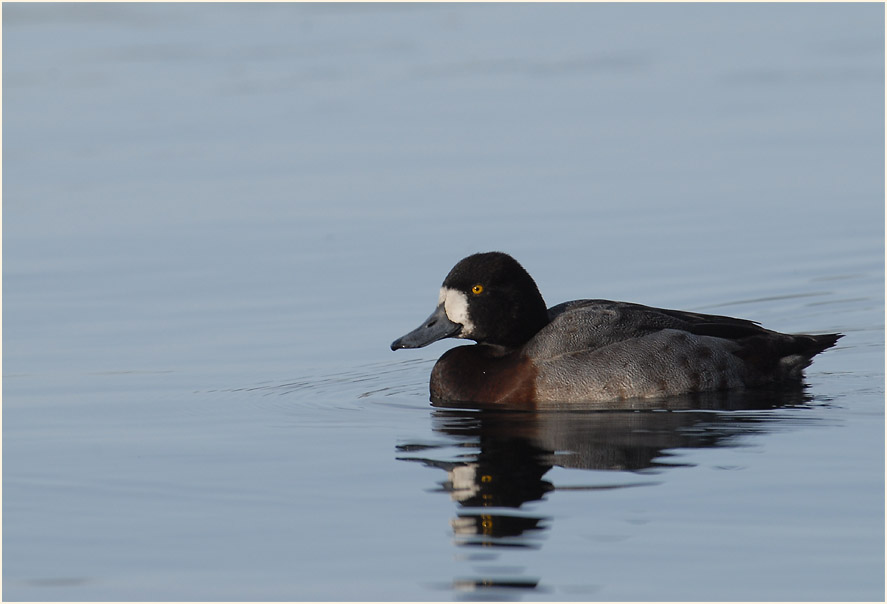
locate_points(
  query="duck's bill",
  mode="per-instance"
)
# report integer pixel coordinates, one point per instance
(436, 327)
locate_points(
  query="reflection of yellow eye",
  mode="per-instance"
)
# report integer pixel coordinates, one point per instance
(477, 289)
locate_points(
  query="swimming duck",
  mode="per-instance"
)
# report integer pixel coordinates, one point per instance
(527, 355)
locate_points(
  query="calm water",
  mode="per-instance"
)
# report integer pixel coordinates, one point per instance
(217, 218)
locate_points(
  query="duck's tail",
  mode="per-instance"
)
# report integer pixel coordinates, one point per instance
(805, 348)
(784, 358)
(813, 345)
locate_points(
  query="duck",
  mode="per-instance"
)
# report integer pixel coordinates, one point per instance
(527, 355)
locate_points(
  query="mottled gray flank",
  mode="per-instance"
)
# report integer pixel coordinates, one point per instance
(601, 350)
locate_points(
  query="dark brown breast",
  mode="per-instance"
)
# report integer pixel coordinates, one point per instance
(479, 374)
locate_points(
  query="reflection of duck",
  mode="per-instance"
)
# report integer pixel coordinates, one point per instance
(501, 458)
(590, 350)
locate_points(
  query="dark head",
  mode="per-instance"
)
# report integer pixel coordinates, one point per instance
(488, 298)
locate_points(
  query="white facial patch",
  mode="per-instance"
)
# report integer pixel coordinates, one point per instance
(456, 306)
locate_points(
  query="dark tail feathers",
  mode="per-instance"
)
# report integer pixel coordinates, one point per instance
(783, 358)
(813, 345)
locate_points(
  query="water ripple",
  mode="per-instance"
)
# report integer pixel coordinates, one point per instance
(407, 378)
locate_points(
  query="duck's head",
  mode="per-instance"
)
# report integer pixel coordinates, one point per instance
(488, 298)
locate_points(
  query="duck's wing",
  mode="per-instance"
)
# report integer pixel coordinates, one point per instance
(592, 324)
(585, 325)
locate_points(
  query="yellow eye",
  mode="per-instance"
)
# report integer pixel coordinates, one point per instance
(477, 289)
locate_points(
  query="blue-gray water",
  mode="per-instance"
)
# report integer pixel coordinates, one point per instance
(217, 217)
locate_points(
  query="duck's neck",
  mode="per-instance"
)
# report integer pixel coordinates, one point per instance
(528, 321)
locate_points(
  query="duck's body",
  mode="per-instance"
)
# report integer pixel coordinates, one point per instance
(590, 350)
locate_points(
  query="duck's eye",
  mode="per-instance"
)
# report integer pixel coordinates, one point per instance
(477, 289)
